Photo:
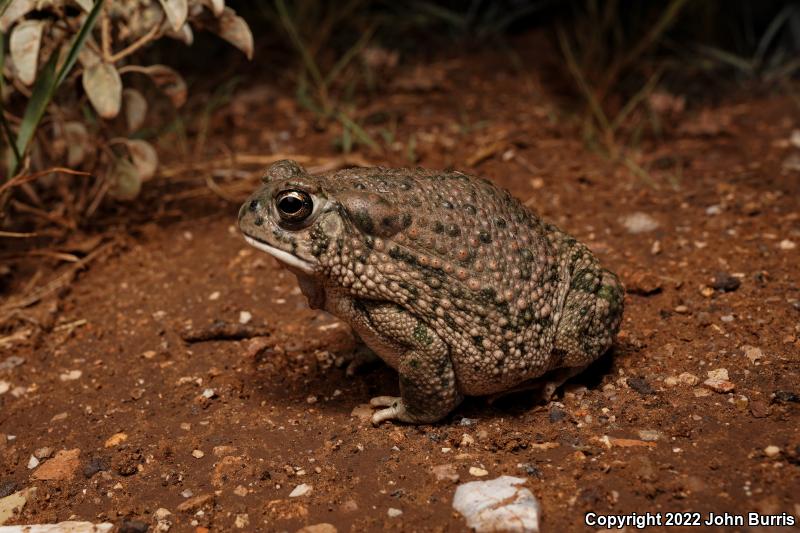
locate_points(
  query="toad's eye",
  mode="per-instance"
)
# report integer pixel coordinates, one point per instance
(294, 206)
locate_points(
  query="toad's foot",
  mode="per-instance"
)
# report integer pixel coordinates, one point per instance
(394, 410)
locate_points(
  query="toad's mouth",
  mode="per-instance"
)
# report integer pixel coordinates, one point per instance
(281, 255)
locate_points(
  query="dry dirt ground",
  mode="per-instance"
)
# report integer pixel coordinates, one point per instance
(131, 417)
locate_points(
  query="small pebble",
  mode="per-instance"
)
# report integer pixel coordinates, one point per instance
(33, 462)
(214, 296)
(727, 318)
(394, 513)
(640, 385)
(681, 309)
(639, 222)
(197, 454)
(649, 435)
(718, 381)
(477, 471)
(687, 378)
(724, 282)
(72, 375)
(208, 393)
(300, 490)
(786, 244)
(5, 386)
(772, 451)
(187, 493)
(245, 317)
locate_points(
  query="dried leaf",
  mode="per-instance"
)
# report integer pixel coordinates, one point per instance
(216, 6)
(26, 38)
(88, 57)
(125, 180)
(15, 11)
(168, 81)
(103, 86)
(144, 157)
(135, 108)
(177, 11)
(77, 140)
(235, 30)
(184, 34)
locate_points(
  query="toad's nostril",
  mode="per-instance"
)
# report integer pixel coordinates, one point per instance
(253, 207)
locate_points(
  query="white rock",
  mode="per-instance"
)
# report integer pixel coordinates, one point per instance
(72, 375)
(639, 222)
(5, 386)
(245, 317)
(198, 454)
(786, 244)
(242, 521)
(214, 296)
(62, 527)
(300, 490)
(33, 462)
(394, 513)
(498, 505)
(13, 504)
(772, 451)
(477, 471)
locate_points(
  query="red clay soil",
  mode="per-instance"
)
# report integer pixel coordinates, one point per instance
(219, 431)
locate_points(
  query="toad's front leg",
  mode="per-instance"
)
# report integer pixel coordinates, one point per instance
(428, 390)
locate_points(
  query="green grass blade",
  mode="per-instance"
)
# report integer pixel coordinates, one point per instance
(362, 136)
(308, 60)
(48, 82)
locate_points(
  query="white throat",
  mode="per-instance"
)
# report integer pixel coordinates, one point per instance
(282, 256)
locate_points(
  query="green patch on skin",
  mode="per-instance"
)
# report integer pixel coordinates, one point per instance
(421, 334)
(584, 280)
(412, 290)
(413, 363)
(402, 255)
(612, 294)
(526, 254)
(527, 316)
(433, 282)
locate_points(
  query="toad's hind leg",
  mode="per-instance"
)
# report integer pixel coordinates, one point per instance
(590, 317)
(428, 390)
